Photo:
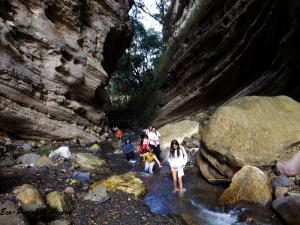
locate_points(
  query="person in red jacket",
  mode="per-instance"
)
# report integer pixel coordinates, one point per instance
(119, 134)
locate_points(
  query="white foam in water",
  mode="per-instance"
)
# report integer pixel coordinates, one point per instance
(216, 218)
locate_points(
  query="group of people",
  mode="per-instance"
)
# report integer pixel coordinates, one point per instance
(150, 152)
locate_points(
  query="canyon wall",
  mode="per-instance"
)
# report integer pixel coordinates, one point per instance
(55, 59)
(220, 50)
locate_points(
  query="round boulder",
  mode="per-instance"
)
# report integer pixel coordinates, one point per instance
(252, 130)
(178, 131)
(288, 208)
(29, 197)
(249, 184)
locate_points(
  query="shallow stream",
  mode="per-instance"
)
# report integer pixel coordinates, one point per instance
(199, 205)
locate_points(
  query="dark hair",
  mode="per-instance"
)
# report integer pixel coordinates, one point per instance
(128, 139)
(172, 150)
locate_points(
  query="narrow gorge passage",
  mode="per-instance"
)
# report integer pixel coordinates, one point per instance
(219, 77)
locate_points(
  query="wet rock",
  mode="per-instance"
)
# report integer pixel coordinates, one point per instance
(127, 182)
(293, 194)
(29, 197)
(69, 191)
(21, 166)
(196, 144)
(290, 167)
(83, 144)
(209, 173)
(87, 161)
(249, 184)
(42, 142)
(27, 146)
(178, 131)
(288, 208)
(43, 161)
(196, 136)
(94, 147)
(8, 141)
(188, 142)
(62, 151)
(40, 223)
(83, 177)
(10, 215)
(280, 191)
(297, 180)
(282, 181)
(59, 222)
(117, 144)
(98, 194)
(59, 201)
(2, 150)
(7, 163)
(118, 151)
(30, 159)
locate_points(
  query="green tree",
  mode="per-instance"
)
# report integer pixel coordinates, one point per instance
(136, 67)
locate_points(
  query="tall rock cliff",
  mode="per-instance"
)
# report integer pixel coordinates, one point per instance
(219, 50)
(55, 58)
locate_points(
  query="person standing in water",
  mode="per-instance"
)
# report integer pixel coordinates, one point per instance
(128, 149)
(177, 159)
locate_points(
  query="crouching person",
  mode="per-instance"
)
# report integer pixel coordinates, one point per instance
(150, 159)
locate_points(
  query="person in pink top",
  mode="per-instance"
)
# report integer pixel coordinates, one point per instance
(145, 145)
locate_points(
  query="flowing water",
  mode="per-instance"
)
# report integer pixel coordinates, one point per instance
(199, 205)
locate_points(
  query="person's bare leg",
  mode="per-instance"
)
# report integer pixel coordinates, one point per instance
(174, 174)
(180, 184)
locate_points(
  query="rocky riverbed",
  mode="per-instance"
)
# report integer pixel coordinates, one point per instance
(58, 176)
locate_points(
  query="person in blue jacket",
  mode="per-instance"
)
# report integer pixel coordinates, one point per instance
(128, 149)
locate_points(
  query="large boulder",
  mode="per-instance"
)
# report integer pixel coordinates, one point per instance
(87, 161)
(29, 197)
(250, 131)
(288, 208)
(178, 131)
(249, 184)
(127, 182)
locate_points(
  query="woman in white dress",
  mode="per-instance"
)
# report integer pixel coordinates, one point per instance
(177, 159)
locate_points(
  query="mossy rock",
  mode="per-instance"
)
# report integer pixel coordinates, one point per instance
(127, 182)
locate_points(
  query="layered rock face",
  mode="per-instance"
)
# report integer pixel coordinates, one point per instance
(55, 59)
(219, 50)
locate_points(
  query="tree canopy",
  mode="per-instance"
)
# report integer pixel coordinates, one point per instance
(137, 65)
